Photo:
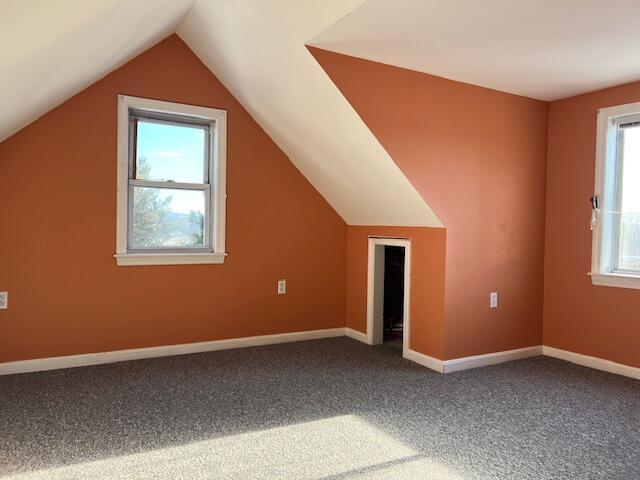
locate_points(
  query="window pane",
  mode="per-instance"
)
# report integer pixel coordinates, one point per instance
(630, 200)
(163, 217)
(170, 152)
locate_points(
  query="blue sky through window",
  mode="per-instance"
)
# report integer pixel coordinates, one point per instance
(173, 152)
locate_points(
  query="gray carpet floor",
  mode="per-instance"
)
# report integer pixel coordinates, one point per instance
(330, 409)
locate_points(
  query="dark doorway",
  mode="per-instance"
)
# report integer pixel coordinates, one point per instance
(393, 295)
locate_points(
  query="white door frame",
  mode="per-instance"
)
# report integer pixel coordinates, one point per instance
(394, 242)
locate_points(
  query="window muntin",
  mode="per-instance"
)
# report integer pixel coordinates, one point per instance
(171, 196)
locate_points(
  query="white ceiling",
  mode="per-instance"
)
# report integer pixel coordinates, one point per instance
(51, 50)
(544, 49)
(257, 50)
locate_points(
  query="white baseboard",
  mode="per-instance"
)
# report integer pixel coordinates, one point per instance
(425, 360)
(465, 363)
(355, 334)
(53, 363)
(441, 366)
(593, 362)
(475, 361)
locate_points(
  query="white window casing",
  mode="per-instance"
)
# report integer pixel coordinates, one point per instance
(605, 269)
(214, 187)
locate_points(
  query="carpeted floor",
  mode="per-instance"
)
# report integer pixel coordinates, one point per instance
(333, 409)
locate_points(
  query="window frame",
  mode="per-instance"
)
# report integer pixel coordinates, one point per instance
(151, 117)
(215, 120)
(608, 179)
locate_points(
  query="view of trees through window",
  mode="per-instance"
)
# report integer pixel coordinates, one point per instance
(156, 222)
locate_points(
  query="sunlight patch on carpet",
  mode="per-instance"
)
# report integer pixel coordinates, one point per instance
(341, 447)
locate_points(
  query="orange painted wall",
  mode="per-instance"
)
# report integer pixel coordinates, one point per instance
(478, 157)
(592, 320)
(57, 205)
(427, 283)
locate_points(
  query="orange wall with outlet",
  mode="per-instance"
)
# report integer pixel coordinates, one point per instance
(477, 156)
(485, 161)
(578, 316)
(58, 207)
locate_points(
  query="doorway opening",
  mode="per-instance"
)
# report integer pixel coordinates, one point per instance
(393, 303)
(388, 293)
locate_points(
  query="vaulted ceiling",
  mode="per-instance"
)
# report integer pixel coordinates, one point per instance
(51, 50)
(545, 49)
(257, 50)
(255, 47)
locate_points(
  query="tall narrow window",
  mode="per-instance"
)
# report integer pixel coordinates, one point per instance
(171, 187)
(616, 240)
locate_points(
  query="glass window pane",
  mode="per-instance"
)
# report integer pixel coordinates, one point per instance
(170, 152)
(630, 200)
(164, 217)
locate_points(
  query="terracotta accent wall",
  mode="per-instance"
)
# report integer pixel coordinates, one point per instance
(57, 239)
(477, 156)
(426, 309)
(578, 316)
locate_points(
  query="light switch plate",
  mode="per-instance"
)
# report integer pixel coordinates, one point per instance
(4, 300)
(282, 287)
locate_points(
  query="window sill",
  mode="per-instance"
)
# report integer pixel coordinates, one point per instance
(133, 259)
(615, 280)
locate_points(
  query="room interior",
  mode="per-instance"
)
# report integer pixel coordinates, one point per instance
(337, 239)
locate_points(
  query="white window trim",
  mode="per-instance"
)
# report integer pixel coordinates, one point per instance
(218, 155)
(605, 189)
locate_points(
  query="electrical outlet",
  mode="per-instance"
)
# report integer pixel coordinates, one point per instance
(4, 300)
(282, 287)
(493, 300)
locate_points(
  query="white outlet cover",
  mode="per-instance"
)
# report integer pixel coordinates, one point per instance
(282, 287)
(4, 300)
(493, 300)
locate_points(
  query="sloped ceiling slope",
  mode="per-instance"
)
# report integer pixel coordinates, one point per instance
(544, 49)
(257, 49)
(51, 50)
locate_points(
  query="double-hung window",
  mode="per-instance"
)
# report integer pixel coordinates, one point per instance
(616, 233)
(171, 183)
